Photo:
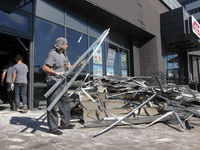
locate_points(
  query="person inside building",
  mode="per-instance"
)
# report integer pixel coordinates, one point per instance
(19, 82)
(55, 67)
(7, 72)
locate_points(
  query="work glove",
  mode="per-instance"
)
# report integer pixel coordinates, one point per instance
(2, 84)
(12, 87)
(61, 74)
(85, 60)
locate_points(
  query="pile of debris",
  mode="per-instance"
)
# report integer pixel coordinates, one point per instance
(114, 100)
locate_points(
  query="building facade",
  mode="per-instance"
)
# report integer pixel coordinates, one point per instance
(193, 8)
(137, 44)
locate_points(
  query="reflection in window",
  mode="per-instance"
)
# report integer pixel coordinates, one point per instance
(174, 73)
(172, 61)
(26, 5)
(124, 60)
(77, 45)
(112, 63)
(97, 62)
(14, 20)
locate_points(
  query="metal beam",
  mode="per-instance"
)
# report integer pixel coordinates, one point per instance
(75, 64)
(78, 72)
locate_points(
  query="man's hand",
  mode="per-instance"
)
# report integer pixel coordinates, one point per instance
(61, 74)
(85, 60)
(2, 84)
(12, 87)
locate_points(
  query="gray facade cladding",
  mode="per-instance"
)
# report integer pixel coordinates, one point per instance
(145, 14)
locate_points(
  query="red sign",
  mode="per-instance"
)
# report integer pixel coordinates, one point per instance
(195, 27)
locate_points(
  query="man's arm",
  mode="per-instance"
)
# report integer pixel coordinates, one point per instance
(13, 78)
(69, 65)
(46, 68)
(3, 76)
(81, 63)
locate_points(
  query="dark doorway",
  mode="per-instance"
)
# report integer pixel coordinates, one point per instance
(10, 46)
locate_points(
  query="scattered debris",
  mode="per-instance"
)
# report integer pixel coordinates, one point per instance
(114, 100)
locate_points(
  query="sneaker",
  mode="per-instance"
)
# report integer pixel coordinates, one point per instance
(69, 126)
(17, 109)
(25, 109)
(57, 132)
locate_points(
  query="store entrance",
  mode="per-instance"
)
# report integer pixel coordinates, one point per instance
(10, 46)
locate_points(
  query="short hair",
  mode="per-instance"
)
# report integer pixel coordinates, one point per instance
(19, 57)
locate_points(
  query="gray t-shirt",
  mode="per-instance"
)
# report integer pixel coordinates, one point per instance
(57, 62)
(20, 69)
(8, 69)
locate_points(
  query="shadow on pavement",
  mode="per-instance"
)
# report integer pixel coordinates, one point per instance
(3, 108)
(31, 123)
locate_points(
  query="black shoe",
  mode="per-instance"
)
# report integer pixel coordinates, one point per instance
(70, 126)
(57, 132)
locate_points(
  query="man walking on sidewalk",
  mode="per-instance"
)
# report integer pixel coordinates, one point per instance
(7, 72)
(19, 82)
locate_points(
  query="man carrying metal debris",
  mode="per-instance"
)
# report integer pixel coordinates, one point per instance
(55, 67)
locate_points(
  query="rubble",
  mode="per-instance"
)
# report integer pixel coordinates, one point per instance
(109, 101)
(115, 100)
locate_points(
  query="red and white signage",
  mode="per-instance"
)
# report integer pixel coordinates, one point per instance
(195, 26)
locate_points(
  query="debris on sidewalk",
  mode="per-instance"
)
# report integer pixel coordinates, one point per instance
(114, 100)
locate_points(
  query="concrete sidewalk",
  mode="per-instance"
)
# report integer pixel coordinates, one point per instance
(30, 131)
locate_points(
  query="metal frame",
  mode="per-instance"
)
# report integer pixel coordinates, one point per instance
(126, 116)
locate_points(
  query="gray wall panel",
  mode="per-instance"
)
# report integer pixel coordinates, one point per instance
(44, 10)
(76, 21)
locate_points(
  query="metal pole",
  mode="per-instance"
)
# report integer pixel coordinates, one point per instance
(75, 76)
(75, 64)
(195, 112)
(169, 113)
(111, 126)
(182, 125)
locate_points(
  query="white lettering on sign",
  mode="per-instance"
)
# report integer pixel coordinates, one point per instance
(195, 27)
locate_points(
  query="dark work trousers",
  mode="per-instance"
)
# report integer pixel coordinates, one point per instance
(64, 109)
(11, 96)
(20, 90)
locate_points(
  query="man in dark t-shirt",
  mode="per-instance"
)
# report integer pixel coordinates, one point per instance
(55, 67)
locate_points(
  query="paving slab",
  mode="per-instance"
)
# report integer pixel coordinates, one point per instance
(29, 131)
